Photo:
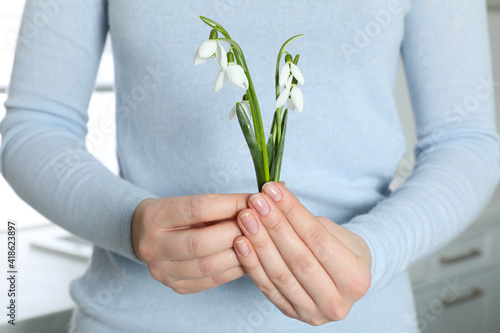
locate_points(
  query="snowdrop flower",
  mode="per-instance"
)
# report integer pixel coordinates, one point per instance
(246, 106)
(233, 72)
(208, 49)
(288, 70)
(291, 94)
(290, 104)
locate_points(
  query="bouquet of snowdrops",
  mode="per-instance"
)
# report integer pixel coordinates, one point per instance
(267, 155)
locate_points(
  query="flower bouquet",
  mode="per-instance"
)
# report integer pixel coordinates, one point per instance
(267, 155)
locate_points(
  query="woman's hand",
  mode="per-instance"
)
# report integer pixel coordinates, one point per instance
(187, 242)
(311, 268)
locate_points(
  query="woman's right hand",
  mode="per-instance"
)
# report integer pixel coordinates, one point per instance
(187, 242)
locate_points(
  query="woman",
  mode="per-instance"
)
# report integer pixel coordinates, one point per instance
(167, 257)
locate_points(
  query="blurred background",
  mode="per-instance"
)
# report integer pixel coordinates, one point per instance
(455, 288)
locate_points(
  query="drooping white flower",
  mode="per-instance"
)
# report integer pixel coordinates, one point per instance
(291, 94)
(289, 76)
(208, 49)
(297, 98)
(290, 104)
(232, 72)
(246, 107)
(288, 70)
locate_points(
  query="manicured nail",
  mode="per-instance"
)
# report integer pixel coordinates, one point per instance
(260, 204)
(249, 223)
(242, 248)
(272, 191)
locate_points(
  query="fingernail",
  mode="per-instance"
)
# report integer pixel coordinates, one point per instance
(249, 223)
(272, 191)
(242, 248)
(260, 204)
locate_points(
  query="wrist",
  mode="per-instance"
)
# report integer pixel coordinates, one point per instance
(362, 250)
(136, 226)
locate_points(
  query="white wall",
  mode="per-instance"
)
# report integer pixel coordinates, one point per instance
(101, 143)
(10, 11)
(493, 210)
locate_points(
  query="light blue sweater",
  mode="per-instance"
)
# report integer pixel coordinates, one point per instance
(174, 138)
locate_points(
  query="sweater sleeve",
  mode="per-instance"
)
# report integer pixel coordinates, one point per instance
(446, 55)
(43, 154)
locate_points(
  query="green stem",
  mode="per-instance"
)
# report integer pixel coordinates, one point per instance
(254, 103)
(279, 150)
(278, 125)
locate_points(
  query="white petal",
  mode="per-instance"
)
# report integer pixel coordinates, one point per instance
(233, 112)
(221, 56)
(208, 48)
(199, 60)
(246, 107)
(220, 80)
(284, 74)
(291, 106)
(288, 83)
(297, 73)
(297, 98)
(282, 98)
(236, 75)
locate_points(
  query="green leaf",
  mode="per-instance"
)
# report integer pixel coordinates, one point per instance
(281, 147)
(248, 133)
(270, 150)
(296, 59)
(271, 146)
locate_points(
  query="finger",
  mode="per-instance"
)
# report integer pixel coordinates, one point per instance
(314, 234)
(187, 210)
(295, 253)
(250, 261)
(201, 267)
(298, 215)
(337, 259)
(197, 285)
(197, 243)
(272, 262)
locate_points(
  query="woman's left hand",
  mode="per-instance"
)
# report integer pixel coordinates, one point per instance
(311, 268)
